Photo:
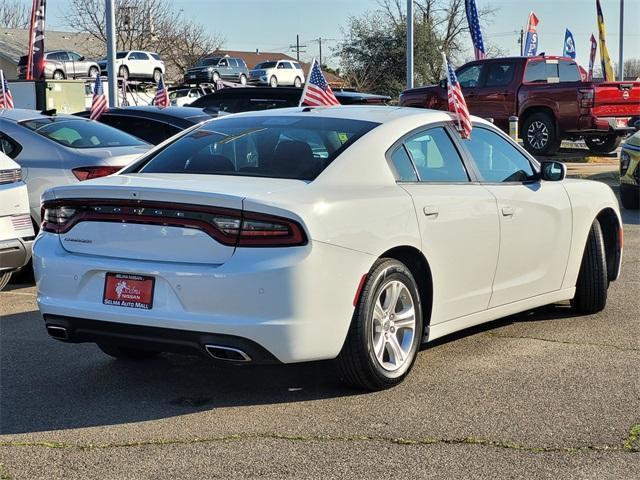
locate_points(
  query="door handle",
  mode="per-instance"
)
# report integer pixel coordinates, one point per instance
(507, 211)
(430, 211)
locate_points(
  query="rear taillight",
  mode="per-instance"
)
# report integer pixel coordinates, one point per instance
(87, 173)
(233, 228)
(587, 96)
(10, 176)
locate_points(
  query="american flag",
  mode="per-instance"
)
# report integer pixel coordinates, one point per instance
(474, 28)
(99, 102)
(317, 91)
(456, 101)
(6, 99)
(161, 99)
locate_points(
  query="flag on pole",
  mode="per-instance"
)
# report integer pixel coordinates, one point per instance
(35, 61)
(605, 60)
(6, 99)
(456, 101)
(569, 49)
(99, 101)
(592, 56)
(161, 100)
(474, 28)
(531, 43)
(317, 91)
(124, 102)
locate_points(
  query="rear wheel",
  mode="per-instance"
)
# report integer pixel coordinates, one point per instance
(273, 81)
(123, 72)
(157, 75)
(386, 329)
(127, 353)
(93, 71)
(630, 196)
(603, 143)
(591, 288)
(4, 279)
(243, 79)
(58, 75)
(297, 82)
(539, 134)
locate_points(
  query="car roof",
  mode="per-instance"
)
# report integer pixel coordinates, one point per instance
(20, 114)
(151, 111)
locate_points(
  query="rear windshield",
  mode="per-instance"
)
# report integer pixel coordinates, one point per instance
(205, 62)
(274, 146)
(266, 65)
(81, 133)
(121, 54)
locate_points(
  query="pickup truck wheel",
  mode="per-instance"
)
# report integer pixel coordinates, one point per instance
(539, 134)
(603, 143)
(58, 75)
(4, 279)
(123, 72)
(157, 75)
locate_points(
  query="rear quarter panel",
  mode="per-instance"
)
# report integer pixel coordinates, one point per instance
(561, 98)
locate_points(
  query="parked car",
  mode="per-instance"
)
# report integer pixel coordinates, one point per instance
(277, 72)
(182, 96)
(16, 230)
(212, 69)
(150, 123)
(61, 65)
(233, 100)
(136, 65)
(307, 234)
(630, 173)
(57, 150)
(549, 97)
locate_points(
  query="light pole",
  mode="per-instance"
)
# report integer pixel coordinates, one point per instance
(409, 43)
(620, 56)
(112, 80)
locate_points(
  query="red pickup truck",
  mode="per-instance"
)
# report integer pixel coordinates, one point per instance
(548, 95)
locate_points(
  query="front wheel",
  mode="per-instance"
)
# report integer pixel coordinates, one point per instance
(273, 82)
(592, 284)
(603, 143)
(297, 82)
(4, 279)
(243, 79)
(127, 353)
(539, 135)
(58, 75)
(93, 72)
(386, 330)
(123, 72)
(215, 77)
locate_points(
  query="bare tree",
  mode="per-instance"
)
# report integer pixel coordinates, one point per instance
(153, 25)
(632, 68)
(14, 14)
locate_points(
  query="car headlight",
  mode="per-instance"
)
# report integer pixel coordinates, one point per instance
(625, 159)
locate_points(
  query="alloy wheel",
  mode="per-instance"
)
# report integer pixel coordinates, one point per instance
(538, 135)
(394, 325)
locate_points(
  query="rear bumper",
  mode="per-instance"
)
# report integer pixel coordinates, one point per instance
(295, 303)
(198, 78)
(589, 124)
(14, 254)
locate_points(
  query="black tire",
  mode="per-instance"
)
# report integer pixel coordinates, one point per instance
(4, 279)
(540, 135)
(630, 196)
(603, 143)
(243, 79)
(123, 72)
(127, 353)
(592, 284)
(58, 75)
(357, 362)
(273, 81)
(93, 71)
(297, 82)
(157, 75)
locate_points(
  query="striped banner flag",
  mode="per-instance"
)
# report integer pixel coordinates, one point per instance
(592, 55)
(456, 101)
(605, 60)
(6, 99)
(99, 101)
(474, 28)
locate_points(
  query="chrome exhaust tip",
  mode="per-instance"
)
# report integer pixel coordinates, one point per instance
(57, 332)
(227, 354)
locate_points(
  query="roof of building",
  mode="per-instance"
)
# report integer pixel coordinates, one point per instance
(14, 41)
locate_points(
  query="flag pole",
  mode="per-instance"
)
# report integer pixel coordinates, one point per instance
(2, 105)
(306, 83)
(455, 105)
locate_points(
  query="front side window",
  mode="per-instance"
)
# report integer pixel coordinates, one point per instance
(435, 157)
(281, 65)
(500, 74)
(80, 133)
(9, 147)
(265, 65)
(275, 147)
(469, 77)
(74, 56)
(223, 63)
(498, 160)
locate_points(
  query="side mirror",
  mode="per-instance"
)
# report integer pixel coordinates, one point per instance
(81, 59)
(443, 83)
(552, 171)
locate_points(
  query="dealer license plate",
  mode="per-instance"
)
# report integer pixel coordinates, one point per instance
(128, 290)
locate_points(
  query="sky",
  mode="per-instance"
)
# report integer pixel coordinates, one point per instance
(272, 25)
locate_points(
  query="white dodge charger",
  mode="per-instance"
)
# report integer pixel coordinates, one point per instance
(354, 233)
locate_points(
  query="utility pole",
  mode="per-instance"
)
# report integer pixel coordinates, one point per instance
(409, 43)
(521, 42)
(297, 48)
(320, 49)
(620, 56)
(112, 80)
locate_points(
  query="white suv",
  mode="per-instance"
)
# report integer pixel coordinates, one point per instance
(135, 64)
(277, 72)
(16, 229)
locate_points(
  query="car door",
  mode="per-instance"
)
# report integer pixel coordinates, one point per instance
(535, 218)
(458, 222)
(469, 78)
(224, 69)
(66, 60)
(282, 73)
(496, 97)
(80, 66)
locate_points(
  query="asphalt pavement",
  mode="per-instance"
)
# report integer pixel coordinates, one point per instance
(543, 394)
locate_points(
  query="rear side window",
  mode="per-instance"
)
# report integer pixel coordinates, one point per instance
(148, 130)
(435, 157)
(497, 160)
(275, 147)
(569, 71)
(9, 147)
(156, 56)
(402, 165)
(499, 74)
